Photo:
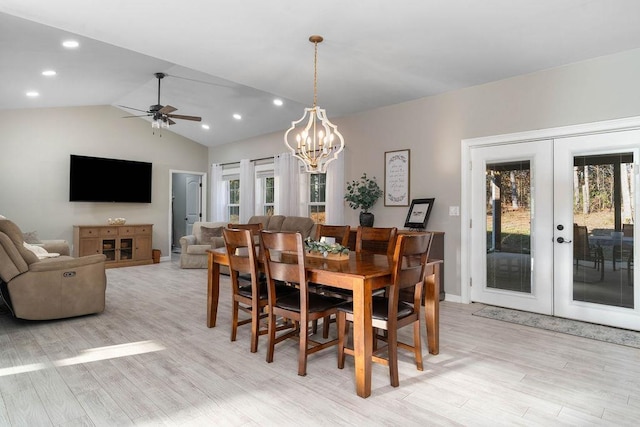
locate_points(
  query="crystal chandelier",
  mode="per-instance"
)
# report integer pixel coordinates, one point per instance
(317, 141)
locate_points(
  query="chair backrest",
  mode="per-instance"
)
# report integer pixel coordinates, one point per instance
(339, 232)
(410, 258)
(284, 256)
(14, 257)
(376, 240)
(581, 242)
(627, 230)
(242, 255)
(254, 228)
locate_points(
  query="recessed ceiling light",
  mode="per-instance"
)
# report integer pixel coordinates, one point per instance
(33, 94)
(70, 44)
(205, 126)
(49, 73)
(278, 102)
(237, 116)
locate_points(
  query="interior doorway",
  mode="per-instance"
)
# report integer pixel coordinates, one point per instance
(187, 192)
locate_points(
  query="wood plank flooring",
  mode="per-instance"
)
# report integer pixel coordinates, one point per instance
(150, 360)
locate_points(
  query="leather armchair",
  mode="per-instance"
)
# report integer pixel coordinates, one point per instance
(51, 288)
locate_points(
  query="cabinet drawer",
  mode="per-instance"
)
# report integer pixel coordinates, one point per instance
(127, 231)
(89, 232)
(109, 231)
(143, 229)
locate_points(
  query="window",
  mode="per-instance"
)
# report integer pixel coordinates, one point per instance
(265, 188)
(268, 195)
(317, 197)
(233, 207)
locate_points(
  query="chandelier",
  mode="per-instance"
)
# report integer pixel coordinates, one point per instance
(317, 141)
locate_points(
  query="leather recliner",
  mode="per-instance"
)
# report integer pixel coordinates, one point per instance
(50, 288)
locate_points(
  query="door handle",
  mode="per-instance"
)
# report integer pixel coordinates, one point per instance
(561, 240)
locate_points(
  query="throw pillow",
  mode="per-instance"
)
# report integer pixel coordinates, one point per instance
(31, 237)
(209, 233)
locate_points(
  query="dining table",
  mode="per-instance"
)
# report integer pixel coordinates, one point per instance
(361, 273)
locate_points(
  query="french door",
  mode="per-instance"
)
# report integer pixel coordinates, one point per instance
(552, 227)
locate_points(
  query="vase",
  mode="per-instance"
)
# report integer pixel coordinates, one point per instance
(366, 219)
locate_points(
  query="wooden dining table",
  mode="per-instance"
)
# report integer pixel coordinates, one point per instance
(362, 274)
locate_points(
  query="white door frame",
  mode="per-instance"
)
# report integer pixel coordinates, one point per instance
(513, 138)
(203, 202)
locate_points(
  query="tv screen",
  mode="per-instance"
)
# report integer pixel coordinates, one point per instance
(95, 179)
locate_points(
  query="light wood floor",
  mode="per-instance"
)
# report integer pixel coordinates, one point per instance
(487, 373)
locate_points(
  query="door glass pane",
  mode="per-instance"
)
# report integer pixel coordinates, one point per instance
(603, 216)
(508, 197)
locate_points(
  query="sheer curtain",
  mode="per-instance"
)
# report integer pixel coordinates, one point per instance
(218, 194)
(334, 210)
(247, 190)
(287, 184)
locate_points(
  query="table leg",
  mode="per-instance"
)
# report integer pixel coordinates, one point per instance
(213, 291)
(362, 338)
(432, 309)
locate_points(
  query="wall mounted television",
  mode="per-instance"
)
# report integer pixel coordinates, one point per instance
(95, 179)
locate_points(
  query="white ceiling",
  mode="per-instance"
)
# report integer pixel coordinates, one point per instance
(231, 56)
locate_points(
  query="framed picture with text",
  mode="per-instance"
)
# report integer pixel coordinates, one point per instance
(396, 178)
(419, 212)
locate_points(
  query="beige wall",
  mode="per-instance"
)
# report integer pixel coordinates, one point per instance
(432, 128)
(35, 145)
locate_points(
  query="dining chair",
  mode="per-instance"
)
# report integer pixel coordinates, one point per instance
(338, 232)
(284, 260)
(249, 295)
(389, 313)
(341, 235)
(379, 240)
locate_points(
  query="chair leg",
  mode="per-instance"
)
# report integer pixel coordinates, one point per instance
(302, 352)
(392, 343)
(417, 345)
(341, 319)
(234, 320)
(255, 329)
(272, 337)
(314, 326)
(326, 322)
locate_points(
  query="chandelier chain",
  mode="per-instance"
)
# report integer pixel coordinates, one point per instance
(315, 75)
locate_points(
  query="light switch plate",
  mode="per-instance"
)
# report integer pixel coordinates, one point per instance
(454, 210)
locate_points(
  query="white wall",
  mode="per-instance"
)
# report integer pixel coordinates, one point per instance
(432, 128)
(35, 145)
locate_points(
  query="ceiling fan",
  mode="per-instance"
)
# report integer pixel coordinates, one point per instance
(161, 114)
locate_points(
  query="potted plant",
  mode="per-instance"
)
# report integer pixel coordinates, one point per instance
(363, 194)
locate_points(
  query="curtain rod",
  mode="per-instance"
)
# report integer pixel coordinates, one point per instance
(252, 160)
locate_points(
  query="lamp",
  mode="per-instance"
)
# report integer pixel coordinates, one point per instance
(318, 142)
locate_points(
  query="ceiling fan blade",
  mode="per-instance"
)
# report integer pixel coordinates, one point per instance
(167, 109)
(171, 122)
(131, 108)
(181, 117)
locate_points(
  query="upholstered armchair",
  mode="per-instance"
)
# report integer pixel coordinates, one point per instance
(48, 288)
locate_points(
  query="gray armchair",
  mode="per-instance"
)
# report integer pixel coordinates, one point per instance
(51, 288)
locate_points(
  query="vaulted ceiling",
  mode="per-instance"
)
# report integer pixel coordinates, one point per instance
(225, 57)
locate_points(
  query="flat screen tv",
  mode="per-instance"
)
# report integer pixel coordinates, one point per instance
(95, 179)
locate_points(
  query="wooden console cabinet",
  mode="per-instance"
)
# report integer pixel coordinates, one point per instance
(123, 245)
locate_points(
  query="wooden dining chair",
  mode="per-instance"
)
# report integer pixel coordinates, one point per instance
(338, 232)
(378, 240)
(341, 234)
(389, 313)
(254, 228)
(284, 260)
(249, 295)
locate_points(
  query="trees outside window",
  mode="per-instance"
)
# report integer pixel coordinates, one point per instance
(317, 197)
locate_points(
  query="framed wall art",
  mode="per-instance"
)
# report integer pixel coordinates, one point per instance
(419, 212)
(396, 178)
